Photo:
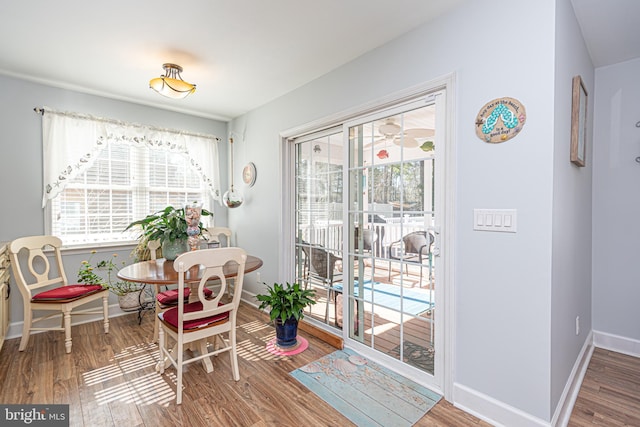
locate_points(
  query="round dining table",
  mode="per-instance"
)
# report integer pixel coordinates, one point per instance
(161, 272)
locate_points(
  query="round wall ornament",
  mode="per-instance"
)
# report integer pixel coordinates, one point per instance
(500, 120)
(249, 174)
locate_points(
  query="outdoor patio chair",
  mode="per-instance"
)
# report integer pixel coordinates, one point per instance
(321, 266)
(413, 248)
(369, 239)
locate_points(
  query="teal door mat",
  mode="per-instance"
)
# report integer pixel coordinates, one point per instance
(364, 392)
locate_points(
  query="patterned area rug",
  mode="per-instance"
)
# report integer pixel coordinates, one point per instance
(415, 355)
(366, 393)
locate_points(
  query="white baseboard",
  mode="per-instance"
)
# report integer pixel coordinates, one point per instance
(500, 414)
(491, 410)
(616, 343)
(570, 392)
(15, 328)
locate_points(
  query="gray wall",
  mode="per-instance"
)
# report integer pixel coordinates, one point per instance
(616, 205)
(21, 157)
(571, 239)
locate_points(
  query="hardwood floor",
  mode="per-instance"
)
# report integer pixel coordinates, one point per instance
(610, 392)
(110, 380)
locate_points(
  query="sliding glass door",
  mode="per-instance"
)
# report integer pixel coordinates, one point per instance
(319, 225)
(367, 232)
(393, 234)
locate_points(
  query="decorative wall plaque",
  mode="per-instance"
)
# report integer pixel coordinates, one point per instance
(500, 120)
(249, 174)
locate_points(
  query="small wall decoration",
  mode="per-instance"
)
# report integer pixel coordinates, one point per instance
(500, 120)
(249, 174)
(578, 122)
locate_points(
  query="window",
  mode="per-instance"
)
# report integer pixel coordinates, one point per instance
(120, 177)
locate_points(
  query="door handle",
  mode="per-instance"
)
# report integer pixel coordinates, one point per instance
(436, 240)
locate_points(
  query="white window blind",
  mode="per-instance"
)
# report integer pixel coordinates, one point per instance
(121, 177)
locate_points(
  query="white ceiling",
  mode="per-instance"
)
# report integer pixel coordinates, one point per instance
(242, 53)
(611, 29)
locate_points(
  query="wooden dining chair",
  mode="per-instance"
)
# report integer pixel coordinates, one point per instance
(153, 246)
(46, 289)
(222, 237)
(168, 298)
(215, 233)
(202, 318)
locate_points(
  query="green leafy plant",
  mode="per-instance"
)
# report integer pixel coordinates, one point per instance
(168, 224)
(286, 301)
(87, 273)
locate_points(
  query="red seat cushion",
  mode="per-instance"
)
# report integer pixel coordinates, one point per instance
(171, 316)
(170, 297)
(66, 292)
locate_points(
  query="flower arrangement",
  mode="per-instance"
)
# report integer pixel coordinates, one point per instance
(87, 274)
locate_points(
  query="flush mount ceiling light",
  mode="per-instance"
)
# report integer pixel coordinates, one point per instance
(171, 84)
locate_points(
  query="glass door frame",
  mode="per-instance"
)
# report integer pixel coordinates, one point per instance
(436, 98)
(446, 238)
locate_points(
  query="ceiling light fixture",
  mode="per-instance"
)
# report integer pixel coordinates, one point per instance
(170, 84)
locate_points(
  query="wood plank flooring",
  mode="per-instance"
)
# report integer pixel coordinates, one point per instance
(110, 380)
(610, 392)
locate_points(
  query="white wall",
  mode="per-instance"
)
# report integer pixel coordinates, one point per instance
(571, 259)
(496, 48)
(616, 203)
(21, 155)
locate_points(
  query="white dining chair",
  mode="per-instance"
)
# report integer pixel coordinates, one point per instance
(46, 289)
(192, 323)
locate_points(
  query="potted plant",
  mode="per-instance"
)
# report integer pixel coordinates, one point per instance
(129, 294)
(286, 304)
(169, 227)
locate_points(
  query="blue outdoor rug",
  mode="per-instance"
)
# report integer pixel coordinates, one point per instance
(366, 393)
(414, 301)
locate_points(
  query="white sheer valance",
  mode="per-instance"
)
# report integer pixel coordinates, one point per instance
(72, 141)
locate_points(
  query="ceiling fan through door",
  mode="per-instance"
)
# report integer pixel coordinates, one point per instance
(390, 131)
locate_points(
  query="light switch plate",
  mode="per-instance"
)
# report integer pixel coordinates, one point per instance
(501, 220)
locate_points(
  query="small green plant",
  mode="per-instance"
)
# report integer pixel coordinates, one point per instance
(87, 273)
(286, 301)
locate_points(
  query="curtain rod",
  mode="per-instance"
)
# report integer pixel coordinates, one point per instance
(42, 110)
